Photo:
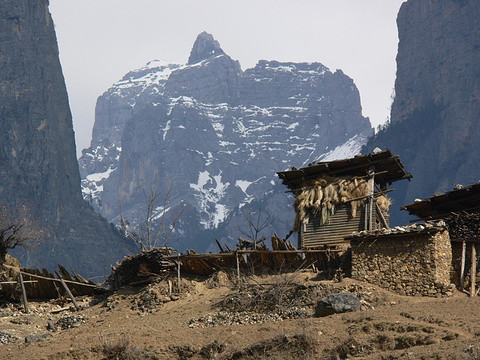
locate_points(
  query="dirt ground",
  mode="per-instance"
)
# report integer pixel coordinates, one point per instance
(144, 323)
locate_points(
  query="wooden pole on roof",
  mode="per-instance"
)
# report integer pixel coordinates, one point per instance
(462, 266)
(473, 271)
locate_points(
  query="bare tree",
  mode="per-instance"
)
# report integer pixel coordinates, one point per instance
(17, 228)
(256, 222)
(154, 230)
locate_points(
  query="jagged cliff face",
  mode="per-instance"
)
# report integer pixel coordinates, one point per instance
(38, 166)
(435, 115)
(34, 105)
(214, 133)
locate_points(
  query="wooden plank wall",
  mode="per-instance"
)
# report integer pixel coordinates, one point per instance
(314, 234)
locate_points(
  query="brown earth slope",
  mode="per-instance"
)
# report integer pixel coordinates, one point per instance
(205, 322)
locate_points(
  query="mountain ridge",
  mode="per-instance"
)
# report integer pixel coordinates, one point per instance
(215, 131)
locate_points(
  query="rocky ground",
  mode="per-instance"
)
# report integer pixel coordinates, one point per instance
(267, 317)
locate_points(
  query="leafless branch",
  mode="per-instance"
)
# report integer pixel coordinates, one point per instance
(18, 228)
(256, 222)
(150, 233)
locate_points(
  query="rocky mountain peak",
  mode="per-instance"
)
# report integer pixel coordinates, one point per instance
(204, 48)
(217, 134)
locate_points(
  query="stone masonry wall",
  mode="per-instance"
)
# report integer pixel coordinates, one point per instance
(412, 264)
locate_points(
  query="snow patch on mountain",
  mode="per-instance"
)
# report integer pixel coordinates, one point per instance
(243, 184)
(209, 191)
(92, 185)
(347, 150)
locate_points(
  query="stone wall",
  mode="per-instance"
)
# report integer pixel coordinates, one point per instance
(416, 263)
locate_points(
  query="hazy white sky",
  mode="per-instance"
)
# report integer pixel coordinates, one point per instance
(101, 40)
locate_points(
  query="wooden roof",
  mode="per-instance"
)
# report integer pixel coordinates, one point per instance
(388, 169)
(439, 206)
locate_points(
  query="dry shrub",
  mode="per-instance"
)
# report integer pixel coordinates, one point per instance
(120, 348)
(299, 346)
(345, 349)
(284, 292)
(473, 352)
(408, 341)
(209, 351)
(212, 350)
(383, 342)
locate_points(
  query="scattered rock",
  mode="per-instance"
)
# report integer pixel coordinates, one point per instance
(36, 338)
(68, 321)
(7, 338)
(51, 326)
(21, 321)
(337, 303)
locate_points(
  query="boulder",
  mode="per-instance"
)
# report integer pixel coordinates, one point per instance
(337, 303)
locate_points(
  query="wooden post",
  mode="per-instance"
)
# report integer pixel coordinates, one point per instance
(169, 288)
(238, 269)
(462, 266)
(365, 227)
(69, 293)
(371, 186)
(178, 275)
(473, 271)
(24, 293)
(382, 218)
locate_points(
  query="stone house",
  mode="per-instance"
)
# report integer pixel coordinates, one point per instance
(409, 260)
(426, 259)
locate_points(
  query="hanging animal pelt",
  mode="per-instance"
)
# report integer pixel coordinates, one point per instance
(321, 196)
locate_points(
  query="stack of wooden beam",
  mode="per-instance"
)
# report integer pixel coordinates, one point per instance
(464, 225)
(142, 268)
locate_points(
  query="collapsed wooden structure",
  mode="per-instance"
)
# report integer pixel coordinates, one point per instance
(336, 198)
(160, 263)
(24, 284)
(460, 209)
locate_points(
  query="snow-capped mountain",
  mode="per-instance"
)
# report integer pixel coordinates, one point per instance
(214, 134)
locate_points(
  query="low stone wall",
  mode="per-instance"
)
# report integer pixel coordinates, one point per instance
(416, 263)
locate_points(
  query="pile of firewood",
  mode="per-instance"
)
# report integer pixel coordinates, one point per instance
(464, 225)
(142, 268)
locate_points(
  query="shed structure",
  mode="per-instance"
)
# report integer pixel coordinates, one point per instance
(463, 199)
(335, 198)
(460, 209)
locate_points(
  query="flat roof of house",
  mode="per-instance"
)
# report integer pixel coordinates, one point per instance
(439, 206)
(415, 229)
(388, 169)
